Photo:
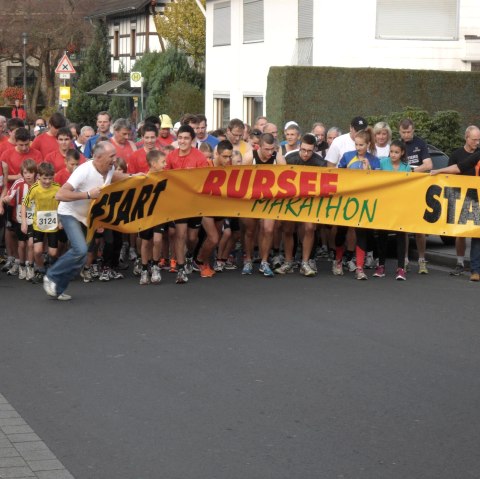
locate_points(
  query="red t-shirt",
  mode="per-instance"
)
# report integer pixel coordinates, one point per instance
(62, 176)
(19, 113)
(137, 163)
(194, 159)
(14, 159)
(45, 144)
(6, 145)
(58, 160)
(123, 151)
(164, 141)
(4, 138)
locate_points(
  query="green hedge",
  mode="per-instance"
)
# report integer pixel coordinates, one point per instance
(335, 95)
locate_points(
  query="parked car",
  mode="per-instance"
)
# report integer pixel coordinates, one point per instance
(440, 160)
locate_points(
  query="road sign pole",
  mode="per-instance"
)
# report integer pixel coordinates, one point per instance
(141, 96)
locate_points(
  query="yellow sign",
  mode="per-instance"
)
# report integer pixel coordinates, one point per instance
(411, 202)
(64, 93)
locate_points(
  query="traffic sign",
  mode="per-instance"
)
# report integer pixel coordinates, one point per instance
(64, 76)
(64, 93)
(135, 79)
(65, 65)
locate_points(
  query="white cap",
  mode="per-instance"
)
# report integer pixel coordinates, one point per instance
(176, 126)
(290, 123)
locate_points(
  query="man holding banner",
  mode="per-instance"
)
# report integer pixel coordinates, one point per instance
(84, 185)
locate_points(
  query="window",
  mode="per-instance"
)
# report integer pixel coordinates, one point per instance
(252, 21)
(133, 43)
(417, 20)
(305, 18)
(252, 108)
(15, 76)
(475, 66)
(221, 111)
(221, 24)
(116, 44)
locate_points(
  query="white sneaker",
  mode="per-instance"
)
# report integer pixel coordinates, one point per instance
(156, 274)
(144, 277)
(352, 266)
(22, 272)
(313, 264)
(30, 273)
(49, 286)
(132, 254)
(306, 270)
(285, 268)
(64, 297)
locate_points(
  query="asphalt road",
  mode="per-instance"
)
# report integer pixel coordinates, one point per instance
(247, 377)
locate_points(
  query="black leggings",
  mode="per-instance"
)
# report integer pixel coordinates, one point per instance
(401, 241)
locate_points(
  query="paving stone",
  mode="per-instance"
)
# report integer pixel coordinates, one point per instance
(31, 446)
(12, 421)
(49, 465)
(8, 414)
(8, 452)
(46, 455)
(23, 437)
(15, 472)
(54, 475)
(6, 407)
(12, 462)
(17, 430)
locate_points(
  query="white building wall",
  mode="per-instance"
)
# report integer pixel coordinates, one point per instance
(344, 36)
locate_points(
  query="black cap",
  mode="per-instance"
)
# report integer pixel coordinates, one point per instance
(359, 123)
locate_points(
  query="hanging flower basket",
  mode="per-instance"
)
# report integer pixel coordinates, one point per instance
(13, 93)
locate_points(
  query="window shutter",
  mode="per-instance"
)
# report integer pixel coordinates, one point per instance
(252, 21)
(221, 24)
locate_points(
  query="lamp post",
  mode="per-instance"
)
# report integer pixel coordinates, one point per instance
(24, 40)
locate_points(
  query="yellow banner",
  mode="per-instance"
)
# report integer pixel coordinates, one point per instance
(410, 202)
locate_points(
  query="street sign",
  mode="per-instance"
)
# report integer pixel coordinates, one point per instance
(64, 93)
(136, 79)
(65, 65)
(64, 76)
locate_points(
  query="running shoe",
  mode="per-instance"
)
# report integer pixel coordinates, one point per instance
(124, 253)
(38, 278)
(337, 268)
(162, 264)
(422, 267)
(360, 274)
(188, 265)
(370, 261)
(475, 277)
(105, 274)
(286, 268)
(114, 274)
(8, 264)
(182, 277)
(401, 275)
(173, 266)
(351, 266)
(132, 254)
(206, 271)
(144, 277)
(306, 270)
(30, 273)
(95, 271)
(86, 274)
(49, 286)
(266, 270)
(13, 271)
(407, 265)
(458, 270)
(247, 267)
(313, 264)
(219, 266)
(379, 272)
(137, 267)
(22, 272)
(277, 261)
(64, 297)
(156, 274)
(230, 264)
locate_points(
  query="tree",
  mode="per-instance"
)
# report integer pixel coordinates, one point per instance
(161, 71)
(183, 26)
(53, 26)
(95, 71)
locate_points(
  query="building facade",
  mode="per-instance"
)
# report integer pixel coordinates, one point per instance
(246, 37)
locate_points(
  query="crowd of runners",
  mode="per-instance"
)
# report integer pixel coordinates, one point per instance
(48, 182)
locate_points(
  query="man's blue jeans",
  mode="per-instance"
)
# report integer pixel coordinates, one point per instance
(69, 264)
(475, 255)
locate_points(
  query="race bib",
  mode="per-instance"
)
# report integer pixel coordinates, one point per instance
(29, 215)
(47, 220)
